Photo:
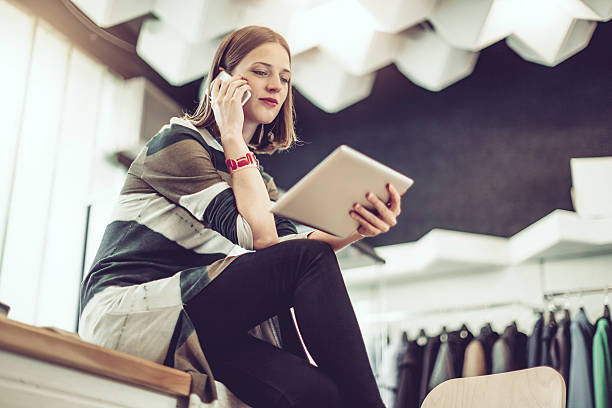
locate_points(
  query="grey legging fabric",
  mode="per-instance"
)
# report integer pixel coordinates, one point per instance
(303, 274)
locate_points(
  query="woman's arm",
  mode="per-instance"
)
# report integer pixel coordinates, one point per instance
(336, 243)
(251, 195)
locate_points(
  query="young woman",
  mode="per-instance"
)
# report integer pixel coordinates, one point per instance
(192, 245)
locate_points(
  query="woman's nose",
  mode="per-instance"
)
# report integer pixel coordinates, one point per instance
(274, 84)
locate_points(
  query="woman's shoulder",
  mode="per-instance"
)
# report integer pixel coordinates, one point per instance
(177, 137)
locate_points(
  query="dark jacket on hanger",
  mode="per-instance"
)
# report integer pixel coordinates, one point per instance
(477, 359)
(548, 333)
(509, 351)
(534, 344)
(409, 376)
(449, 362)
(580, 392)
(560, 349)
(429, 358)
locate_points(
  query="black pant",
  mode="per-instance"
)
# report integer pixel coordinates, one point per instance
(303, 274)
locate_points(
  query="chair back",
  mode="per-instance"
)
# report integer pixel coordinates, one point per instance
(538, 387)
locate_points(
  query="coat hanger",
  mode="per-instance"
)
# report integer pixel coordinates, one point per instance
(486, 329)
(606, 312)
(421, 338)
(566, 314)
(387, 334)
(551, 317)
(566, 307)
(463, 331)
(444, 335)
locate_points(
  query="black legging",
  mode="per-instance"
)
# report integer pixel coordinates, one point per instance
(303, 274)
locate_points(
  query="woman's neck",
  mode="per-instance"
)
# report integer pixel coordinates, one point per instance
(248, 130)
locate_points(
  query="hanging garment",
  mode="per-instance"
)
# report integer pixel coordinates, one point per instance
(580, 392)
(560, 348)
(477, 359)
(374, 344)
(548, 333)
(409, 377)
(602, 366)
(534, 344)
(509, 351)
(388, 373)
(449, 362)
(429, 358)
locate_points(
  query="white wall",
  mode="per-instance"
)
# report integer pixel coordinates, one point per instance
(418, 299)
(64, 115)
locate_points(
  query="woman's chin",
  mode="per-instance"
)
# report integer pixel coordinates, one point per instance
(266, 119)
(261, 117)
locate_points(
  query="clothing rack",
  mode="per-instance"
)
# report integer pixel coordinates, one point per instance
(583, 291)
(398, 316)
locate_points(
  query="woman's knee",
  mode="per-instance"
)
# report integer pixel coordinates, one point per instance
(316, 249)
(313, 245)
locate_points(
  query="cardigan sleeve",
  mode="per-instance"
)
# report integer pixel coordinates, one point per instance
(178, 167)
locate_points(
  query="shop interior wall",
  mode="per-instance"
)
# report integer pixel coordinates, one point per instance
(525, 283)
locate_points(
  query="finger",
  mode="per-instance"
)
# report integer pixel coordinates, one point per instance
(396, 200)
(365, 224)
(371, 218)
(222, 89)
(385, 213)
(232, 86)
(215, 87)
(239, 92)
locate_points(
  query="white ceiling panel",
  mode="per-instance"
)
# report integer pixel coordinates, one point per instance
(197, 20)
(472, 24)
(107, 13)
(347, 41)
(319, 78)
(396, 15)
(429, 61)
(603, 8)
(550, 39)
(275, 14)
(351, 36)
(178, 61)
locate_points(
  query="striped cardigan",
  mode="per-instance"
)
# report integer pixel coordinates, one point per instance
(176, 214)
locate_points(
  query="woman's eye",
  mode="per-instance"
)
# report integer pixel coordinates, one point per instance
(285, 80)
(259, 72)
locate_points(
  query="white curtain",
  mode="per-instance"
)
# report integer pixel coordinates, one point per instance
(63, 115)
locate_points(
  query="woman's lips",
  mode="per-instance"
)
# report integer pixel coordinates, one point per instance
(269, 103)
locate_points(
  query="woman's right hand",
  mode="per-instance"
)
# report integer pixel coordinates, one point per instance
(227, 105)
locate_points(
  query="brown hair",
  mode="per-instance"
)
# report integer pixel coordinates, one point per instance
(278, 135)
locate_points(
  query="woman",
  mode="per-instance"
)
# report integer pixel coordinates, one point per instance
(192, 245)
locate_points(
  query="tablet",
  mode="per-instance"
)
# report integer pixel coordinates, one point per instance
(323, 198)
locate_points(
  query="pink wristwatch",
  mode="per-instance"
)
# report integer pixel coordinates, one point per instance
(248, 160)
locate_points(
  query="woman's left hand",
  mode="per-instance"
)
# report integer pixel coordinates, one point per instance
(375, 224)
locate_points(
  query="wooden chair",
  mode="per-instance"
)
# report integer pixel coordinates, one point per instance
(538, 387)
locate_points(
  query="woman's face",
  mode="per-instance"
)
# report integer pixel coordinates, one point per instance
(267, 70)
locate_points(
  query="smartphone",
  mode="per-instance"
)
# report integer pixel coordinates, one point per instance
(224, 76)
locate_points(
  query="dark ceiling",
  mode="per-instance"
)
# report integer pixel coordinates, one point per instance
(489, 154)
